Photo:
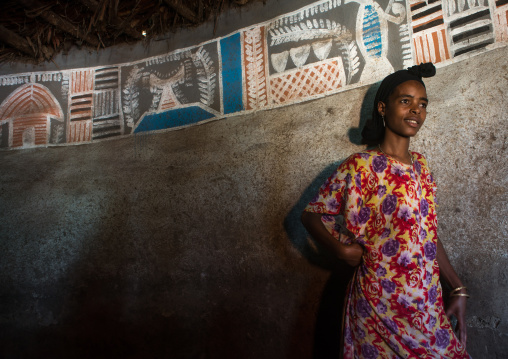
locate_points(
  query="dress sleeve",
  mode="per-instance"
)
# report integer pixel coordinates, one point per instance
(340, 199)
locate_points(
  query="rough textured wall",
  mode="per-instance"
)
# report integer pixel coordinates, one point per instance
(187, 244)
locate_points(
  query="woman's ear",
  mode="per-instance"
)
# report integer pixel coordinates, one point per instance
(381, 108)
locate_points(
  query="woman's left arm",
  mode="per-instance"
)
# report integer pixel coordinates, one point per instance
(457, 304)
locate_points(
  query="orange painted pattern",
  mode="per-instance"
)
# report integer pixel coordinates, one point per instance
(82, 81)
(27, 99)
(79, 131)
(501, 23)
(255, 68)
(79, 127)
(38, 121)
(314, 79)
(29, 108)
(431, 46)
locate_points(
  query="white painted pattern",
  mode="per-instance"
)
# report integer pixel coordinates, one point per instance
(255, 69)
(206, 75)
(299, 55)
(322, 49)
(309, 30)
(280, 60)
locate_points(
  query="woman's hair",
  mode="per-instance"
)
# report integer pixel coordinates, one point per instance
(374, 130)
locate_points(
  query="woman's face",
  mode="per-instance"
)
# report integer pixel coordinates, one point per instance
(406, 109)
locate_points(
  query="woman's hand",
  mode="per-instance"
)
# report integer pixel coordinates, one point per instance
(349, 253)
(457, 307)
(353, 254)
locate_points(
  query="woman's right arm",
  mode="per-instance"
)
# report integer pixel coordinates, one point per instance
(351, 254)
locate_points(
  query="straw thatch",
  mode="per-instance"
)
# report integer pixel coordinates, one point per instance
(36, 30)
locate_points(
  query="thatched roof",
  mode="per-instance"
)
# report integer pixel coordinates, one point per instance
(36, 30)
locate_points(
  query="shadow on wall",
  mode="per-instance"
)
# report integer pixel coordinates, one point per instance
(105, 306)
(355, 133)
(328, 325)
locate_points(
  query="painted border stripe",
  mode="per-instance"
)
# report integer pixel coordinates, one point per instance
(470, 18)
(471, 33)
(173, 118)
(417, 6)
(428, 25)
(426, 12)
(232, 73)
(474, 47)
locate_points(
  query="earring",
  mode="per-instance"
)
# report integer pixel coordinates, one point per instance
(383, 118)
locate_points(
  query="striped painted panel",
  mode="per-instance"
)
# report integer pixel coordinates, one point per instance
(105, 103)
(81, 81)
(470, 25)
(371, 35)
(431, 46)
(107, 126)
(501, 21)
(426, 15)
(106, 78)
(37, 122)
(79, 131)
(32, 98)
(81, 107)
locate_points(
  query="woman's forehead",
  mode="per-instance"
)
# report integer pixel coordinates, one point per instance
(412, 87)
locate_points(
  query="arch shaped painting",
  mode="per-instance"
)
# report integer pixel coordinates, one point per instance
(28, 115)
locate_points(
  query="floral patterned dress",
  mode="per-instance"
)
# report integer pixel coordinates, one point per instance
(394, 306)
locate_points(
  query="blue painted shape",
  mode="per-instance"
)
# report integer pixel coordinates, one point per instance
(173, 118)
(231, 54)
(372, 31)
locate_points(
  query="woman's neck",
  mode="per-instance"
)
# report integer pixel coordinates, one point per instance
(396, 147)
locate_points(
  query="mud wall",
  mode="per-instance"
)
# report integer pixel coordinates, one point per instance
(311, 51)
(165, 233)
(187, 244)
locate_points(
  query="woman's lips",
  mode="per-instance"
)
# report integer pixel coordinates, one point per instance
(412, 122)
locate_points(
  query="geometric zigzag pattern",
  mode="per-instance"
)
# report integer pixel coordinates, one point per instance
(314, 79)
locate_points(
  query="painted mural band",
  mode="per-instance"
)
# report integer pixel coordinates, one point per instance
(323, 48)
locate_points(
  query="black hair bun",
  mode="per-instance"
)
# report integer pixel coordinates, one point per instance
(423, 70)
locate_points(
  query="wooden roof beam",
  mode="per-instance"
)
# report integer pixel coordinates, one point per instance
(17, 42)
(59, 22)
(126, 29)
(182, 10)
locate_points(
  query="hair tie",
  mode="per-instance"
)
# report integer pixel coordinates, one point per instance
(423, 70)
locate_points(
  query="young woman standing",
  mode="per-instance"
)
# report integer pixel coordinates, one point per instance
(378, 212)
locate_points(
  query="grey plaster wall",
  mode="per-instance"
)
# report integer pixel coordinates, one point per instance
(187, 244)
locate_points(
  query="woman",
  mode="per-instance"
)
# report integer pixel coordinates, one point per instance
(378, 212)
